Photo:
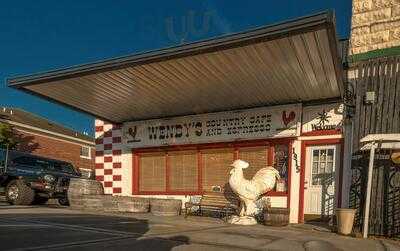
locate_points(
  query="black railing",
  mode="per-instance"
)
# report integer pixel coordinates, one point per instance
(384, 219)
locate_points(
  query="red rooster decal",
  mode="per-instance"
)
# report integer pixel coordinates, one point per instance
(287, 119)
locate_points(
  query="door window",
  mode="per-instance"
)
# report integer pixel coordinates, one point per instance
(322, 166)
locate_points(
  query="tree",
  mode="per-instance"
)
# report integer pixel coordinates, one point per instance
(7, 136)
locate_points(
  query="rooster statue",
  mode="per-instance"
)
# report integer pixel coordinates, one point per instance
(250, 190)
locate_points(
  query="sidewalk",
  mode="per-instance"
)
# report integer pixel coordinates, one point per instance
(210, 231)
(194, 233)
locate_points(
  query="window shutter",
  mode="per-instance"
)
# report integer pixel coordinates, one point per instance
(152, 172)
(216, 167)
(256, 157)
(184, 171)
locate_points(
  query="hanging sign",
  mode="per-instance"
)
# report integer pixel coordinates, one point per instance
(258, 123)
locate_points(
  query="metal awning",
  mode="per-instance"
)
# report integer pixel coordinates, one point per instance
(290, 62)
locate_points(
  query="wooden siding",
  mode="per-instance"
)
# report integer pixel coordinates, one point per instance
(381, 76)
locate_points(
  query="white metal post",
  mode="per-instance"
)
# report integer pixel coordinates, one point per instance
(369, 188)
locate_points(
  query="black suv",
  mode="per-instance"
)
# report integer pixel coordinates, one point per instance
(30, 179)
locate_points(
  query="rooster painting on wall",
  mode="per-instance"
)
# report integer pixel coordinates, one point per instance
(249, 191)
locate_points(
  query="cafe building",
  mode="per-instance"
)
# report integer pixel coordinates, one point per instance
(171, 121)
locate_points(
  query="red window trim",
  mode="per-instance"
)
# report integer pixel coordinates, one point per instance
(199, 147)
(321, 142)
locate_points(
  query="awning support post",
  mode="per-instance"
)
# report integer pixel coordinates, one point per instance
(369, 188)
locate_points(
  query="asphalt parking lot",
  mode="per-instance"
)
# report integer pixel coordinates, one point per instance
(52, 227)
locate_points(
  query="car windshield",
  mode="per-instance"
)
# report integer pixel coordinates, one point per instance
(64, 167)
(2, 158)
(51, 165)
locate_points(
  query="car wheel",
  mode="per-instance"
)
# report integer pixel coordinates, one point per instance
(17, 193)
(63, 201)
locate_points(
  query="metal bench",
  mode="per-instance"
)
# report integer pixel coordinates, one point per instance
(216, 202)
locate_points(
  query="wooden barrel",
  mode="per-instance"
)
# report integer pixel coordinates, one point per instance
(75, 202)
(165, 207)
(110, 203)
(93, 202)
(79, 187)
(276, 216)
(133, 204)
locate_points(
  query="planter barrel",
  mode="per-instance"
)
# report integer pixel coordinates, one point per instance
(110, 203)
(93, 202)
(276, 216)
(133, 204)
(80, 187)
(165, 207)
(345, 220)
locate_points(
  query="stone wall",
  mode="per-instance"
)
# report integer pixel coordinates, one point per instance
(375, 25)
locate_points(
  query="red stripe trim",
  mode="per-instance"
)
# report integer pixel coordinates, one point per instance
(117, 190)
(322, 132)
(304, 145)
(99, 153)
(116, 139)
(117, 165)
(108, 171)
(99, 166)
(108, 184)
(108, 159)
(116, 152)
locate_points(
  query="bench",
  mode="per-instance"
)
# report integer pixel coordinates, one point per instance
(216, 202)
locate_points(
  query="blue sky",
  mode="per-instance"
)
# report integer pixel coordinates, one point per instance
(39, 36)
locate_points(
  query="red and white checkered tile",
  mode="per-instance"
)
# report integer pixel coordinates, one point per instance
(108, 156)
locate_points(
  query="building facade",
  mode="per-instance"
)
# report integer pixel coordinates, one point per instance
(172, 121)
(186, 156)
(45, 138)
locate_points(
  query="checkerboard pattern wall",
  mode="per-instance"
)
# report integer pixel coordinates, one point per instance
(108, 156)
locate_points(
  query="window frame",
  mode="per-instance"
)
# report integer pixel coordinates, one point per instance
(136, 153)
(89, 152)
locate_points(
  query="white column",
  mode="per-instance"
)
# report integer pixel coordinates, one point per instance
(369, 188)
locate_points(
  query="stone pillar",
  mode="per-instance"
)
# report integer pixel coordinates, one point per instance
(375, 25)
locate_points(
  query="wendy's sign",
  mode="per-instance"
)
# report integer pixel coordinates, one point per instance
(258, 123)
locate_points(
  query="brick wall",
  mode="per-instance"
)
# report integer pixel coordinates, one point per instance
(54, 148)
(375, 25)
(109, 157)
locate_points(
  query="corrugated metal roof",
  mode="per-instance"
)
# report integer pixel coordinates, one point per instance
(296, 61)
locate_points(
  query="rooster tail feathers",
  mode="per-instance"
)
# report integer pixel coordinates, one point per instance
(277, 175)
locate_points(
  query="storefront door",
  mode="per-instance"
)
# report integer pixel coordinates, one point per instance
(320, 179)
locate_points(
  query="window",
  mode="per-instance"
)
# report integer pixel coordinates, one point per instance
(64, 167)
(216, 167)
(183, 171)
(85, 152)
(256, 157)
(322, 166)
(27, 161)
(2, 158)
(281, 160)
(152, 172)
(196, 170)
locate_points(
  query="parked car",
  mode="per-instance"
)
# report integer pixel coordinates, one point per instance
(29, 179)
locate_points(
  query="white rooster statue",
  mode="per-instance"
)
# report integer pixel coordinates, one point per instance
(250, 190)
